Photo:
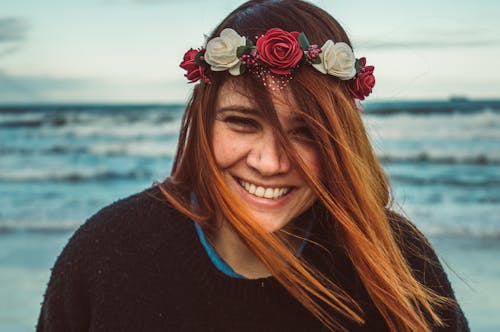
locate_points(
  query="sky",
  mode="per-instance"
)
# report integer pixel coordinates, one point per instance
(128, 51)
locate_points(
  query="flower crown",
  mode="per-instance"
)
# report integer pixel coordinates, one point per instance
(278, 52)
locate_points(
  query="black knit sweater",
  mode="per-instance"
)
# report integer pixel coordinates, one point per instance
(138, 265)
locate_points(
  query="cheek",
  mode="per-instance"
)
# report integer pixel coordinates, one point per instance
(310, 156)
(315, 168)
(219, 148)
(228, 147)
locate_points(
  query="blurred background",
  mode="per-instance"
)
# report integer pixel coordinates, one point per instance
(91, 97)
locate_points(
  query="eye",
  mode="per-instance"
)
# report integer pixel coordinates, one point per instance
(302, 133)
(240, 123)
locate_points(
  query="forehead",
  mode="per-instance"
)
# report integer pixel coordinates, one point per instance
(235, 96)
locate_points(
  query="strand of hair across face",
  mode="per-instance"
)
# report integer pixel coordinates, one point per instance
(385, 272)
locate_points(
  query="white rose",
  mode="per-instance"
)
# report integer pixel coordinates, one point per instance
(221, 51)
(337, 59)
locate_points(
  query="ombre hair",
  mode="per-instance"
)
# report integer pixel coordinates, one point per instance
(353, 191)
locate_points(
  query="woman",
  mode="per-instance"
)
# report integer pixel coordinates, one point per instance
(276, 215)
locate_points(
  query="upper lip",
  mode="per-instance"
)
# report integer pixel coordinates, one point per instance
(265, 185)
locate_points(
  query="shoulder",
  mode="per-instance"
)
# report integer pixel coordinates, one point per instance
(138, 216)
(140, 209)
(412, 242)
(420, 255)
(415, 247)
(119, 249)
(132, 232)
(427, 269)
(127, 230)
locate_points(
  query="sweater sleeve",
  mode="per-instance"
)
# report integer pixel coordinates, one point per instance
(428, 270)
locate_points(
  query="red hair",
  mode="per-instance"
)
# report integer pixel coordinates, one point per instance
(353, 191)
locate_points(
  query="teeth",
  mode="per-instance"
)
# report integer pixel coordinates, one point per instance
(258, 191)
(252, 189)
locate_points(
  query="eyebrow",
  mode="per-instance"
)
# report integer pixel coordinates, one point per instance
(240, 109)
(295, 119)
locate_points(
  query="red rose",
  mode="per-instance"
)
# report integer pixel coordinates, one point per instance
(280, 50)
(361, 86)
(194, 71)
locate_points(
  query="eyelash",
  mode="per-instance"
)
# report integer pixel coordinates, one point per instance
(302, 133)
(242, 123)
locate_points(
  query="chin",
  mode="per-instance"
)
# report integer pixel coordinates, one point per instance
(270, 225)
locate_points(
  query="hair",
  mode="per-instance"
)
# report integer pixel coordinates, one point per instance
(353, 191)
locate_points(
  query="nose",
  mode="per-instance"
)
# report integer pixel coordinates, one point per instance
(268, 157)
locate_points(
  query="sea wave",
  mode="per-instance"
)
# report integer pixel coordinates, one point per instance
(112, 129)
(53, 118)
(456, 127)
(72, 175)
(441, 157)
(448, 181)
(432, 107)
(460, 232)
(154, 149)
(137, 149)
(90, 108)
(38, 227)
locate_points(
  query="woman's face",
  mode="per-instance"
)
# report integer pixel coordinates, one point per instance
(255, 166)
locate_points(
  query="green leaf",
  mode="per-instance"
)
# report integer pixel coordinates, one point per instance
(243, 69)
(359, 66)
(241, 50)
(304, 42)
(250, 43)
(197, 59)
(316, 61)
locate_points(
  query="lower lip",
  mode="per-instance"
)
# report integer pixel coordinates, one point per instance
(262, 201)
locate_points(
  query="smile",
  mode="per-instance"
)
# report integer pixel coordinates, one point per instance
(272, 193)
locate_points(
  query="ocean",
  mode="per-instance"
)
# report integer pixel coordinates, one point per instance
(59, 164)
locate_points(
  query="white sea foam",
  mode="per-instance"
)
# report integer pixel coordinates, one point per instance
(455, 138)
(138, 149)
(113, 129)
(23, 117)
(38, 226)
(453, 218)
(455, 126)
(436, 230)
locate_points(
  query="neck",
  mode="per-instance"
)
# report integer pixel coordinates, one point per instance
(236, 254)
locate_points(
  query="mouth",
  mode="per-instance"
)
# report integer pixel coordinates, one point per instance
(264, 192)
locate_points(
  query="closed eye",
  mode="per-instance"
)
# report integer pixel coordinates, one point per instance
(302, 133)
(243, 124)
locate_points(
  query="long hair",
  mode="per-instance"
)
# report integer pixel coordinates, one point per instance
(353, 191)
